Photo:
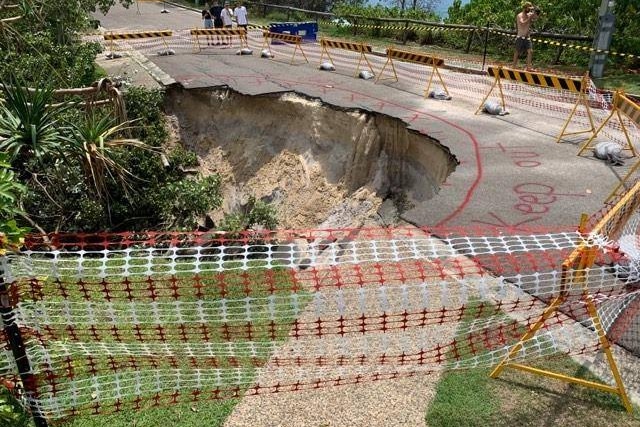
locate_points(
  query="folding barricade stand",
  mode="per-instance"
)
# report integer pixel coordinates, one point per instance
(574, 283)
(416, 58)
(361, 48)
(287, 38)
(621, 105)
(574, 85)
(112, 37)
(580, 87)
(209, 32)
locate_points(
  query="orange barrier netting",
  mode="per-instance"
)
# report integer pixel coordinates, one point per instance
(128, 320)
(553, 104)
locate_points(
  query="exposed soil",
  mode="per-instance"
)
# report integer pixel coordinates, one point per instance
(319, 165)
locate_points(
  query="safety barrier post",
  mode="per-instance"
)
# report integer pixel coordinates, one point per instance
(16, 344)
(583, 99)
(620, 105)
(496, 73)
(297, 40)
(361, 48)
(575, 85)
(575, 272)
(196, 32)
(416, 58)
(112, 36)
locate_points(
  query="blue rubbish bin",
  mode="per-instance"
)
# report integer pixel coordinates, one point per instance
(308, 31)
(284, 28)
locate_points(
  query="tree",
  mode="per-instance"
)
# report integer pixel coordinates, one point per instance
(46, 40)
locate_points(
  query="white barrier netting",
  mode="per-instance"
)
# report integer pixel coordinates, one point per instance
(124, 321)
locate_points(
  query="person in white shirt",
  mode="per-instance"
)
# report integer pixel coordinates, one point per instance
(226, 16)
(240, 13)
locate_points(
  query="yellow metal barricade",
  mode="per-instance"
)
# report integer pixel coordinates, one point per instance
(579, 86)
(621, 107)
(574, 284)
(241, 33)
(287, 38)
(416, 58)
(113, 36)
(361, 48)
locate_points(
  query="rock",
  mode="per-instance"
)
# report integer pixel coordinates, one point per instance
(610, 152)
(366, 75)
(327, 66)
(494, 108)
(388, 213)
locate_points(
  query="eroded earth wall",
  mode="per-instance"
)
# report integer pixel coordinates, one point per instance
(319, 165)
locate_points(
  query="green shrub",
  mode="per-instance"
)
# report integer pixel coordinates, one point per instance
(145, 107)
(12, 413)
(36, 56)
(182, 203)
(255, 214)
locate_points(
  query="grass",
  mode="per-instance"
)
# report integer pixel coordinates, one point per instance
(630, 83)
(470, 398)
(209, 414)
(268, 294)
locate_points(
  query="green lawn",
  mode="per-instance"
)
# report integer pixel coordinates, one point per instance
(630, 83)
(264, 293)
(470, 398)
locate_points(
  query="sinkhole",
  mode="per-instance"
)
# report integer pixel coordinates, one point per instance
(319, 165)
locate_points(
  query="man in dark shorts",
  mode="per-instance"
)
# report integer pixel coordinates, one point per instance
(523, 40)
(216, 9)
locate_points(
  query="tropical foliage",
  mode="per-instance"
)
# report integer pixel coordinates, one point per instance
(579, 17)
(11, 234)
(12, 413)
(45, 41)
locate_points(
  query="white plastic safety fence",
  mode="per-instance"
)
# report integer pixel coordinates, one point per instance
(550, 103)
(119, 322)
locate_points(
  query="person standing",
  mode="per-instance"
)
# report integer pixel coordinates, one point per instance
(523, 38)
(240, 13)
(227, 20)
(216, 10)
(208, 20)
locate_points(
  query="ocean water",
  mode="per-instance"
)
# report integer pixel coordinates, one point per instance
(440, 8)
(443, 6)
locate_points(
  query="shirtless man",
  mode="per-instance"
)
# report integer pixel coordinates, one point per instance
(523, 40)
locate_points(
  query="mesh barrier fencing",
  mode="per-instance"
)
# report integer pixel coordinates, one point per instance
(130, 320)
(556, 105)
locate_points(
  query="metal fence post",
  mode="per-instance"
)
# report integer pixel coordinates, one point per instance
(486, 41)
(405, 32)
(472, 34)
(16, 343)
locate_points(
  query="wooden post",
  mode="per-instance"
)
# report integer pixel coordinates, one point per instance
(472, 34)
(405, 32)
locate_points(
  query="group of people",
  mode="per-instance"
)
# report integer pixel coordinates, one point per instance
(216, 16)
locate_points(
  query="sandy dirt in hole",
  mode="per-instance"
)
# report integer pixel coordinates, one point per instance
(297, 189)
